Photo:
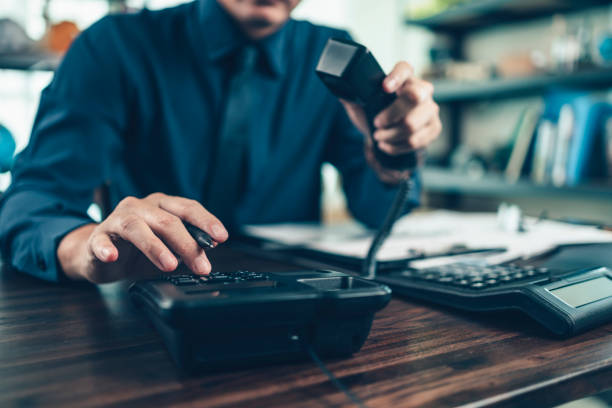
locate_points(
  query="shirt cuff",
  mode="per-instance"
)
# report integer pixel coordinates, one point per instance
(39, 256)
(54, 232)
(33, 224)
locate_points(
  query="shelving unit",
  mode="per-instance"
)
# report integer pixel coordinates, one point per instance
(29, 61)
(453, 91)
(457, 23)
(480, 14)
(39, 60)
(445, 181)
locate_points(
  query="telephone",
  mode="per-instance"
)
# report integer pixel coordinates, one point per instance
(350, 71)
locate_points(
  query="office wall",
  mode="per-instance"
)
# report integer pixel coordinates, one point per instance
(377, 24)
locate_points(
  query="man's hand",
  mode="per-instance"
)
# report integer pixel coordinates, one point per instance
(411, 122)
(139, 237)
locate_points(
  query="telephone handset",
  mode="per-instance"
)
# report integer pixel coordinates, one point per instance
(351, 72)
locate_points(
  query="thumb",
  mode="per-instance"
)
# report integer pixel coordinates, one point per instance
(103, 248)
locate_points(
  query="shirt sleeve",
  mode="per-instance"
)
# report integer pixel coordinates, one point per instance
(74, 141)
(368, 197)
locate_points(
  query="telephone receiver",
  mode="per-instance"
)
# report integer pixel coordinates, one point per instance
(350, 71)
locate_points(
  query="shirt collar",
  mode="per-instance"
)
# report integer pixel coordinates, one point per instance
(222, 37)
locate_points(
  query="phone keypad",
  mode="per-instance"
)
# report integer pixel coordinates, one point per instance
(475, 276)
(239, 276)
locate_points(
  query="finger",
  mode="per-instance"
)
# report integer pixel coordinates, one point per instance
(172, 231)
(103, 248)
(416, 90)
(413, 121)
(395, 150)
(133, 229)
(418, 140)
(413, 92)
(194, 213)
(394, 135)
(398, 75)
(424, 139)
(393, 114)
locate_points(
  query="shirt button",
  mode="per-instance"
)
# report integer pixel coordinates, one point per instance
(40, 262)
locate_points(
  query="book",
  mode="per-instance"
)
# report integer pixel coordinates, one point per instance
(565, 130)
(589, 114)
(608, 146)
(570, 137)
(544, 149)
(523, 136)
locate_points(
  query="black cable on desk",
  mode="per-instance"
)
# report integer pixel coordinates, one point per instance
(369, 272)
(313, 355)
(399, 202)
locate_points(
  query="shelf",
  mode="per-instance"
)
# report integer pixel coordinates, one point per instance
(445, 181)
(34, 61)
(455, 91)
(478, 14)
(105, 1)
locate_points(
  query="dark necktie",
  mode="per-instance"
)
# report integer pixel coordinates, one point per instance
(229, 172)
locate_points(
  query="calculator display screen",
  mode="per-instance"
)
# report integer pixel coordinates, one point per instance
(581, 293)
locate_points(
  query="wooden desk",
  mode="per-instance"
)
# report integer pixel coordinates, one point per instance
(86, 346)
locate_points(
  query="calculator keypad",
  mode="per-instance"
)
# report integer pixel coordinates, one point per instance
(475, 276)
(214, 278)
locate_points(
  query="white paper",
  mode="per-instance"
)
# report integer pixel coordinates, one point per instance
(435, 233)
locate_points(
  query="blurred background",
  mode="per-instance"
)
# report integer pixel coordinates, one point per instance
(524, 87)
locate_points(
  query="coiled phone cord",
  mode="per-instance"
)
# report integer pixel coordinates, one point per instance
(399, 202)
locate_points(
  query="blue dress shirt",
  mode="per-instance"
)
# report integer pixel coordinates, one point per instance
(136, 104)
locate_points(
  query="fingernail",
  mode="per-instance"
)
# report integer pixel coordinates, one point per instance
(423, 95)
(105, 253)
(391, 82)
(202, 265)
(168, 261)
(218, 231)
(377, 121)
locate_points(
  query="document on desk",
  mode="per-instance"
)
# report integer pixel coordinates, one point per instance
(433, 234)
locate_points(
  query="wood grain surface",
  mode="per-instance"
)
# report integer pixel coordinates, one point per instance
(85, 346)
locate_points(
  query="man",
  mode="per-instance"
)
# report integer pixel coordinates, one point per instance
(142, 102)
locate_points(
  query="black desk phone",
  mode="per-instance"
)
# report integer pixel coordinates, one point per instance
(241, 317)
(566, 303)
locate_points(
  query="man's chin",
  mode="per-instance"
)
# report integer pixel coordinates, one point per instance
(260, 18)
(261, 23)
(267, 16)
(265, 23)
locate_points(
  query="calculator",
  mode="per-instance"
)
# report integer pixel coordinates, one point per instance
(237, 318)
(564, 302)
